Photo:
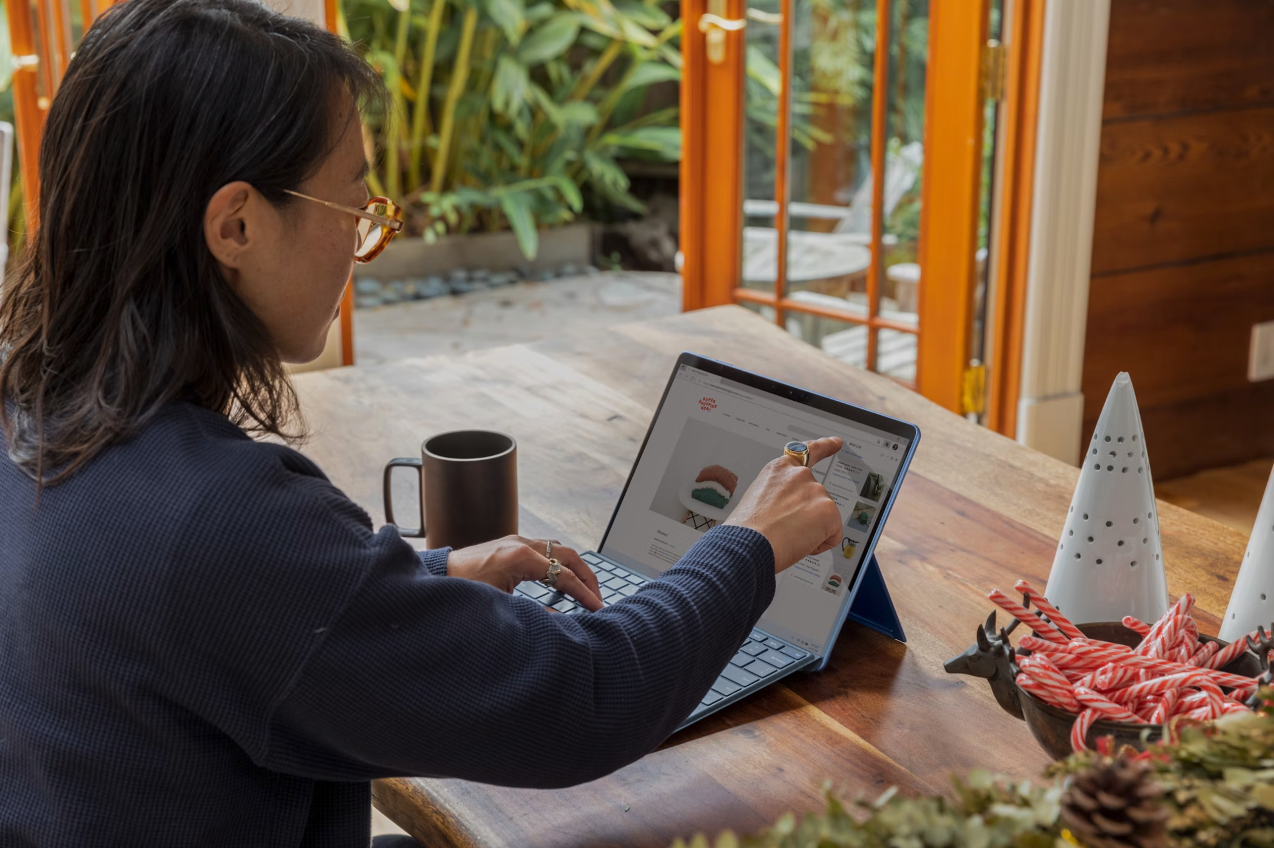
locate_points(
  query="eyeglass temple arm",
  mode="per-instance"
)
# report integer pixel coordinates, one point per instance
(362, 213)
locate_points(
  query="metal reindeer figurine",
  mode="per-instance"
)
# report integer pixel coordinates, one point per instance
(991, 657)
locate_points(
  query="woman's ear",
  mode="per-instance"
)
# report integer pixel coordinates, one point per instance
(228, 227)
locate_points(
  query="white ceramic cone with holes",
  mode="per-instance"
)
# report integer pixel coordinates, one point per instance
(1109, 562)
(1251, 605)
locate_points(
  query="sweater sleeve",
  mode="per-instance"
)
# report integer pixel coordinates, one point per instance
(435, 561)
(441, 676)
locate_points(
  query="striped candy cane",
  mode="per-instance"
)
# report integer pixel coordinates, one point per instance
(1022, 614)
(1045, 693)
(1181, 608)
(1121, 655)
(1108, 709)
(1228, 654)
(1059, 621)
(1115, 676)
(1048, 675)
(1155, 687)
(1035, 644)
(1079, 730)
(1137, 626)
(1205, 652)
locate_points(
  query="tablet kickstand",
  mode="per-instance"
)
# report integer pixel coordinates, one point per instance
(872, 606)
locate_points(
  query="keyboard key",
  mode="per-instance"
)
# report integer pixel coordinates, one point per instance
(534, 590)
(741, 659)
(564, 605)
(776, 659)
(592, 559)
(637, 578)
(754, 648)
(757, 634)
(710, 698)
(794, 653)
(616, 583)
(609, 594)
(629, 590)
(739, 676)
(775, 644)
(761, 669)
(725, 687)
(577, 611)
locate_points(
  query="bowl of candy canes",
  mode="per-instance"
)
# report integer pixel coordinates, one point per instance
(1131, 680)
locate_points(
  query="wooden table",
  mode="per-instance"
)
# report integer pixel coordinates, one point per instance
(976, 512)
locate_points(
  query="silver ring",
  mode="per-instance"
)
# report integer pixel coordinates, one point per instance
(548, 549)
(550, 579)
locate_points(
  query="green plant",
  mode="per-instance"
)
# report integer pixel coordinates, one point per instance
(17, 210)
(1216, 785)
(832, 77)
(504, 114)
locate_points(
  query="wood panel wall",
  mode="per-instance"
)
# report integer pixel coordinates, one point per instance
(1183, 244)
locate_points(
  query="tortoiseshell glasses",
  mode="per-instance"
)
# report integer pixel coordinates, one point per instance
(378, 222)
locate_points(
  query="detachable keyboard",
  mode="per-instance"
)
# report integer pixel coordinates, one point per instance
(760, 661)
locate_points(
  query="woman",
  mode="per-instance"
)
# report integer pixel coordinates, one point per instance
(202, 641)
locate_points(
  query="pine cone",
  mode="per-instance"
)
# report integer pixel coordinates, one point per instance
(1115, 803)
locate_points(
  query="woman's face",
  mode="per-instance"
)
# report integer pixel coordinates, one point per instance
(291, 266)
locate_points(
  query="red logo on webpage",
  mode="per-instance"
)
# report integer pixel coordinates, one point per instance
(707, 404)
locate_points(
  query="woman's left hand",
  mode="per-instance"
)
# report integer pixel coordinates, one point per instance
(504, 563)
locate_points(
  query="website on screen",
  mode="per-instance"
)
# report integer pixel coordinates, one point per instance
(711, 439)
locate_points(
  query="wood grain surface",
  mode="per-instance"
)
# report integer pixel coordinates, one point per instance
(1166, 56)
(1183, 333)
(1183, 243)
(1181, 188)
(976, 512)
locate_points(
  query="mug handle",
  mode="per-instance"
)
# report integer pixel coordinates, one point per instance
(388, 495)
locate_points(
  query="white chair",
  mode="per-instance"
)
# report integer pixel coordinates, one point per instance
(842, 252)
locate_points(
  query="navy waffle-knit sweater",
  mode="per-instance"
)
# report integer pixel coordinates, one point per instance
(203, 642)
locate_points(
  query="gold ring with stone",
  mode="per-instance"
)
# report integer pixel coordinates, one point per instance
(799, 451)
(555, 568)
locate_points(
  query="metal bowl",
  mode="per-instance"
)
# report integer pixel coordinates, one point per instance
(1051, 726)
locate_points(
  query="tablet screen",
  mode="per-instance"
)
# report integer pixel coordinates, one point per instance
(710, 439)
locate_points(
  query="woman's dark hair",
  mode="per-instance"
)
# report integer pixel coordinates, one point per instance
(119, 307)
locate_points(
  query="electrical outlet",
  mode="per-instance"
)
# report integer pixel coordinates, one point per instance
(1260, 360)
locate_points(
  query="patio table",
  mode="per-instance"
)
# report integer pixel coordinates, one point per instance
(976, 512)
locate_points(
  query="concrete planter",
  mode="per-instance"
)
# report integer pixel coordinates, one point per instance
(411, 258)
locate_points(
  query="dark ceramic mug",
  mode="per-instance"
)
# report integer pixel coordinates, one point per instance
(468, 488)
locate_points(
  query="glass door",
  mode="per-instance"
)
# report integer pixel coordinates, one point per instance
(847, 233)
(838, 270)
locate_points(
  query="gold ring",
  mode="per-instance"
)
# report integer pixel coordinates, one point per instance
(555, 568)
(799, 451)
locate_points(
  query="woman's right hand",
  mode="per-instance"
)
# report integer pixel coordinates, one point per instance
(791, 509)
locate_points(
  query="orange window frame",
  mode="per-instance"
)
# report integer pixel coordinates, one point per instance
(330, 14)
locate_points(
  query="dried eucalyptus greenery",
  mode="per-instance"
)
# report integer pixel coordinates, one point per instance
(1216, 785)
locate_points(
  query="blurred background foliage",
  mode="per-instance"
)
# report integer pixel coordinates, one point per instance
(525, 114)
(16, 211)
(512, 114)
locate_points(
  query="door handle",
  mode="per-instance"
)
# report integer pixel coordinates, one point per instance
(714, 26)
